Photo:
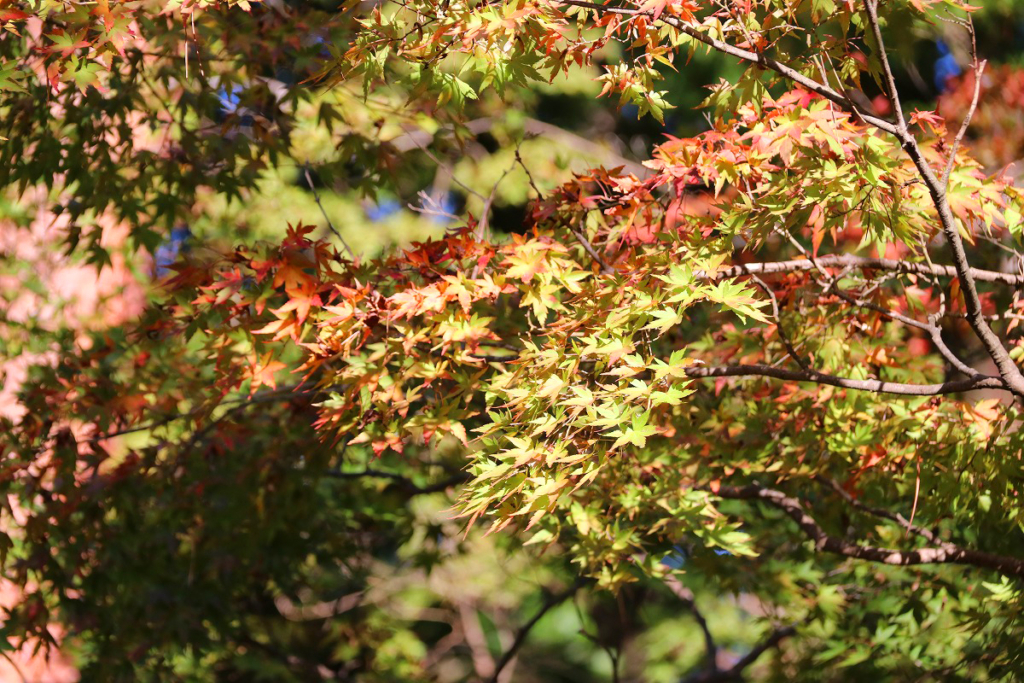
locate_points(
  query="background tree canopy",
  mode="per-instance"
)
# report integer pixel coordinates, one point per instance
(538, 340)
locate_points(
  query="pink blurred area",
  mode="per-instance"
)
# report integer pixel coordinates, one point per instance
(25, 665)
(76, 296)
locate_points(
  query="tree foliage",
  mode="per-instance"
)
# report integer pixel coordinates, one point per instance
(805, 393)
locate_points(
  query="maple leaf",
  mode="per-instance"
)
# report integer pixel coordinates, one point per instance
(12, 14)
(380, 444)
(102, 10)
(262, 372)
(984, 414)
(457, 289)
(297, 237)
(636, 433)
(526, 264)
(300, 300)
(664, 319)
(293, 270)
(655, 7)
(404, 304)
(931, 118)
(284, 327)
(66, 44)
(432, 298)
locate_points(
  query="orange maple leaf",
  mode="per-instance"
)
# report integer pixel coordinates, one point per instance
(262, 371)
(525, 264)
(300, 300)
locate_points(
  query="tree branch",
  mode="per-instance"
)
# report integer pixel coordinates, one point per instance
(402, 482)
(873, 385)
(323, 211)
(687, 597)
(786, 341)
(773, 639)
(932, 328)
(979, 69)
(877, 512)
(1008, 370)
(589, 248)
(942, 553)
(890, 81)
(863, 262)
(420, 138)
(286, 393)
(524, 632)
(735, 672)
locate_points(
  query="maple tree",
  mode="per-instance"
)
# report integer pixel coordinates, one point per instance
(804, 391)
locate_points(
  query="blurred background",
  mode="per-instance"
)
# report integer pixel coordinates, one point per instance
(368, 577)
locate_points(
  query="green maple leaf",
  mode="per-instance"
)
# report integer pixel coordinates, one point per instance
(664, 320)
(636, 433)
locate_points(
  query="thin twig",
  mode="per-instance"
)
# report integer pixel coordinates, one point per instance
(523, 633)
(492, 357)
(589, 248)
(979, 68)
(316, 196)
(17, 669)
(943, 553)
(877, 512)
(451, 173)
(778, 321)
(1008, 369)
(687, 597)
(419, 138)
(735, 672)
(862, 262)
(872, 385)
(933, 330)
(890, 81)
(282, 394)
(404, 483)
(482, 226)
(526, 170)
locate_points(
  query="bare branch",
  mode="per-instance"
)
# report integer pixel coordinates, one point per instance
(735, 672)
(283, 394)
(933, 330)
(890, 81)
(773, 639)
(402, 482)
(943, 553)
(589, 248)
(873, 385)
(317, 611)
(979, 69)
(877, 512)
(790, 349)
(864, 262)
(686, 596)
(485, 214)
(524, 632)
(323, 211)
(447, 169)
(492, 357)
(420, 138)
